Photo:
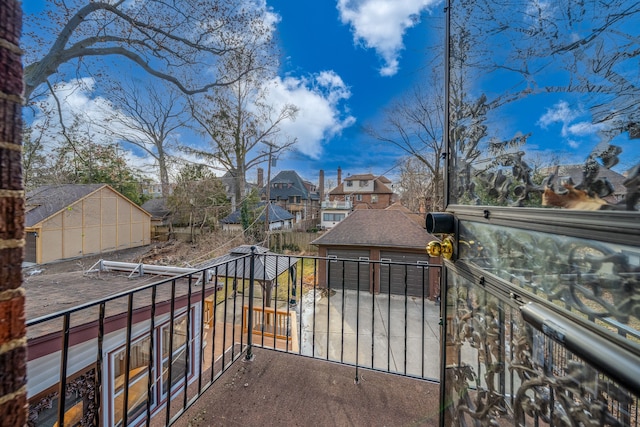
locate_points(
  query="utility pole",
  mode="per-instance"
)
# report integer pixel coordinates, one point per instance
(268, 204)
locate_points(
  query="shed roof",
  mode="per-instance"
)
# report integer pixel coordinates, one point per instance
(276, 214)
(157, 207)
(46, 201)
(268, 265)
(378, 228)
(417, 218)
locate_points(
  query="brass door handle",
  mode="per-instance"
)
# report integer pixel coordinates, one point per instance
(444, 248)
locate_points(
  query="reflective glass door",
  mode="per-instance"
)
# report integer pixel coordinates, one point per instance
(541, 304)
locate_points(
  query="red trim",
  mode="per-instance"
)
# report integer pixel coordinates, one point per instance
(50, 343)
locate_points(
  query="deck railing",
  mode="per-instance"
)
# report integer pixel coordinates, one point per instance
(270, 322)
(147, 354)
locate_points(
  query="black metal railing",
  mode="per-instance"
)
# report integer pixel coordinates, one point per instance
(149, 353)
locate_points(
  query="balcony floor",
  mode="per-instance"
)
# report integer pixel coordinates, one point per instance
(283, 389)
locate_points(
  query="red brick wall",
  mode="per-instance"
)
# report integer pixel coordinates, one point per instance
(13, 350)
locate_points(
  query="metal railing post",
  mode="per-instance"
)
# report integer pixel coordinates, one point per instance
(252, 264)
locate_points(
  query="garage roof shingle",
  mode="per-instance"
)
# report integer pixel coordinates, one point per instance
(378, 228)
(43, 202)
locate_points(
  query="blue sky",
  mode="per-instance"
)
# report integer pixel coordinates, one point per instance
(342, 63)
(345, 61)
(350, 40)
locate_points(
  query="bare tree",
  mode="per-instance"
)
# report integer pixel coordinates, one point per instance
(415, 185)
(198, 200)
(238, 118)
(415, 125)
(586, 51)
(171, 40)
(148, 116)
(36, 165)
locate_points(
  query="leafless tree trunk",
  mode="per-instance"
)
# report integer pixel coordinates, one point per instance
(148, 116)
(237, 119)
(415, 125)
(415, 183)
(13, 346)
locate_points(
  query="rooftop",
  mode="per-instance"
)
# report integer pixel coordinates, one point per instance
(283, 389)
(372, 227)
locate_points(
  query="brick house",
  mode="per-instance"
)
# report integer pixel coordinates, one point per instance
(364, 191)
(289, 191)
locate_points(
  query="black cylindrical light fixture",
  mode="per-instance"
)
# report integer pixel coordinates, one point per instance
(440, 223)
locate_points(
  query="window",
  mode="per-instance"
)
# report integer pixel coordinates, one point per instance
(374, 198)
(179, 354)
(359, 197)
(43, 408)
(138, 380)
(139, 370)
(335, 217)
(349, 183)
(364, 183)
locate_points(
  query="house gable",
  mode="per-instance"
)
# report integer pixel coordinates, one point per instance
(364, 191)
(71, 221)
(287, 184)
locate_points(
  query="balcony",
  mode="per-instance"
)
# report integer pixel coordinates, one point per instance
(210, 345)
(337, 204)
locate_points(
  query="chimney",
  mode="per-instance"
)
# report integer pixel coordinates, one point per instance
(339, 175)
(260, 177)
(321, 185)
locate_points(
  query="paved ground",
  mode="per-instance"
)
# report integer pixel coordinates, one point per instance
(390, 333)
(278, 389)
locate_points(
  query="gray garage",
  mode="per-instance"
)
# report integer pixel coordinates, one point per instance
(347, 268)
(382, 251)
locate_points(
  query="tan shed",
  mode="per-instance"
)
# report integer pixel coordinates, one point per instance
(74, 220)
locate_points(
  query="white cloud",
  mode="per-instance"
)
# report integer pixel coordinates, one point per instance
(381, 25)
(320, 98)
(80, 106)
(559, 113)
(584, 128)
(321, 114)
(573, 144)
(563, 113)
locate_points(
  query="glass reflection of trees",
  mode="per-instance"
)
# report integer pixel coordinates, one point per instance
(508, 63)
(599, 280)
(502, 371)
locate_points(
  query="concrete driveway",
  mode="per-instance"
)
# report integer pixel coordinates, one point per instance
(388, 333)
